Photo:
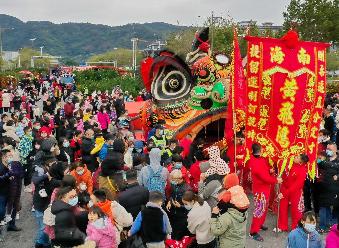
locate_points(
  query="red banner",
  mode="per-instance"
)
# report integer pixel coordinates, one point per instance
(286, 81)
(237, 101)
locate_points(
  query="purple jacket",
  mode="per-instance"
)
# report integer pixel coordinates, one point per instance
(103, 119)
(332, 239)
(103, 232)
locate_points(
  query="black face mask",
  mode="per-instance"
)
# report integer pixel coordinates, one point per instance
(256, 156)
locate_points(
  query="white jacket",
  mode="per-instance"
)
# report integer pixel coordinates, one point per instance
(121, 217)
(10, 131)
(199, 223)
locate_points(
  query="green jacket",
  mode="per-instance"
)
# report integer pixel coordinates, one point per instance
(230, 228)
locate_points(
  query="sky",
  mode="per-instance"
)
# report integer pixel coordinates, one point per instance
(120, 12)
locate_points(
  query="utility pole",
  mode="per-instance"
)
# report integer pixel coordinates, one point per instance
(32, 40)
(134, 54)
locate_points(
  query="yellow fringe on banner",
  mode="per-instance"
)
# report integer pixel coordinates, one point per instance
(283, 166)
(291, 163)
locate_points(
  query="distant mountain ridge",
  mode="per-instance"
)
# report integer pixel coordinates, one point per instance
(79, 40)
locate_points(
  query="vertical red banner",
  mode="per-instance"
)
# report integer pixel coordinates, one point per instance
(286, 90)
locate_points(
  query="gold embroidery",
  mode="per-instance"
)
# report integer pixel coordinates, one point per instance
(286, 114)
(321, 55)
(303, 57)
(254, 51)
(252, 95)
(290, 89)
(282, 136)
(253, 82)
(252, 108)
(254, 67)
(277, 55)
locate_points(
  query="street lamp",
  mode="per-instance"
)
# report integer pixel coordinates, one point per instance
(41, 50)
(32, 40)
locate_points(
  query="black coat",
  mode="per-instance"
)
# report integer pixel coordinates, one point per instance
(67, 234)
(133, 198)
(88, 159)
(327, 187)
(4, 180)
(62, 156)
(41, 182)
(114, 159)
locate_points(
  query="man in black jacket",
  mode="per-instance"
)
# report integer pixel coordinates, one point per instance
(5, 178)
(328, 187)
(134, 196)
(86, 148)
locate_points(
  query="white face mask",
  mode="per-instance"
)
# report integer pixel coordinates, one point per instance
(90, 204)
(83, 187)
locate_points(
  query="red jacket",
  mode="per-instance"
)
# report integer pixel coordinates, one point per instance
(69, 108)
(260, 171)
(76, 146)
(293, 180)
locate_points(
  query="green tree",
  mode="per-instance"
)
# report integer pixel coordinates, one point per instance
(332, 61)
(181, 42)
(121, 55)
(315, 20)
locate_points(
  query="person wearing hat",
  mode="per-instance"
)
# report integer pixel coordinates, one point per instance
(211, 181)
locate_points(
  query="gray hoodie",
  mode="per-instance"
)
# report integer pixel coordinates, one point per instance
(155, 158)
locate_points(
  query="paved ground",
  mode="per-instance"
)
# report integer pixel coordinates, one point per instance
(24, 239)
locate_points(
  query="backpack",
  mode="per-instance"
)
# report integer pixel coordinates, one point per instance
(156, 182)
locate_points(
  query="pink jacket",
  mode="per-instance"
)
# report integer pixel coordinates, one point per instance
(103, 232)
(332, 239)
(103, 119)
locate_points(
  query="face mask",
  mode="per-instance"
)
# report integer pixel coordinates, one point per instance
(83, 187)
(139, 150)
(178, 166)
(66, 144)
(80, 172)
(309, 227)
(319, 160)
(90, 204)
(10, 160)
(174, 183)
(30, 133)
(73, 202)
(37, 127)
(329, 153)
(188, 207)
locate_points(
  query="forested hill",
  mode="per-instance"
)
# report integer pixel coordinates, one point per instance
(78, 39)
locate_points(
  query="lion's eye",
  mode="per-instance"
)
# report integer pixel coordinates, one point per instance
(171, 84)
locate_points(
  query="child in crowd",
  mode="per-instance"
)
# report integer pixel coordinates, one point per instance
(100, 229)
(152, 222)
(305, 235)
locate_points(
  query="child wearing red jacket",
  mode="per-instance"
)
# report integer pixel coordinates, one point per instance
(262, 181)
(291, 192)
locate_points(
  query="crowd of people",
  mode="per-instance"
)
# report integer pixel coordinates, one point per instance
(92, 183)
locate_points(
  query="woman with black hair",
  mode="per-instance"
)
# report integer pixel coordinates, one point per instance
(81, 217)
(198, 219)
(305, 235)
(67, 234)
(195, 153)
(66, 152)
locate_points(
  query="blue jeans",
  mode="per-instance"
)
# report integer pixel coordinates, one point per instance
(3, 203)
(326, 217)
(41, 238)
